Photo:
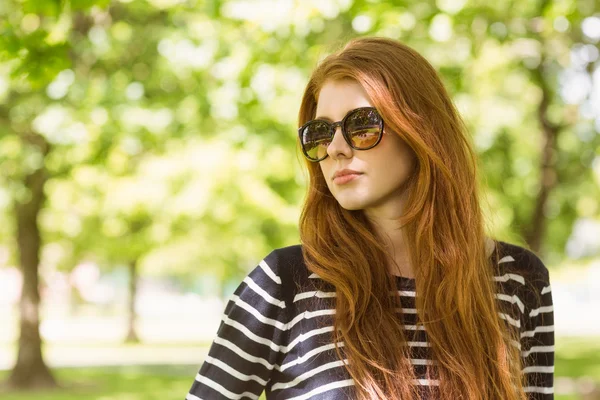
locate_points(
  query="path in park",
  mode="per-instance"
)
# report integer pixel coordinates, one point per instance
(59, 356)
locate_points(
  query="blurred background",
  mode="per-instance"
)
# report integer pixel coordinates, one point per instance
(148, 162)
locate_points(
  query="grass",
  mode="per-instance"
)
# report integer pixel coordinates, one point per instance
(575, 358)
(120, 383)
(159, 382)
(139, 383)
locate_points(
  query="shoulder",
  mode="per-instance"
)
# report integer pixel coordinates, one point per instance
(287, 263)
(521, 272)
(286, 255)
(516, 259)
(287, 260)
(282, 266)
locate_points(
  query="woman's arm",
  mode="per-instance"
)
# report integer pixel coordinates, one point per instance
(247, 346)
(537, 336)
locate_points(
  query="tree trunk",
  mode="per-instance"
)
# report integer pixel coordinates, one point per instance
(132, 336)
(534, 233)
(30, 370)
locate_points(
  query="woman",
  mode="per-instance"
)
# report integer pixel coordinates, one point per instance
(395, 291)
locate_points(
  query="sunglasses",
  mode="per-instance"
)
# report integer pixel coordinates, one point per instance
(362, 129)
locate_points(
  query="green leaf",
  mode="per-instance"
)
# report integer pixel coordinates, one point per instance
(48, 8)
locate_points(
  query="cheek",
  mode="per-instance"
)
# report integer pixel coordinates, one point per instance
(390, 166)
(326, 168)
(396, 153)
(325, 172)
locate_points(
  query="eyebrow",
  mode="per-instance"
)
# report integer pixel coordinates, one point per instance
(330, 120)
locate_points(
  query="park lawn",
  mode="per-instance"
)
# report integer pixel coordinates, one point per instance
(575, 357)
(114, 383)
(163, 382)
(142, 383)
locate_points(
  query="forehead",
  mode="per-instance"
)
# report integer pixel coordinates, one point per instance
(336, 98)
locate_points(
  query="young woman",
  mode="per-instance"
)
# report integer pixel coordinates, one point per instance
(395, 291)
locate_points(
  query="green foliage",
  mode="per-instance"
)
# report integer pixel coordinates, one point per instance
(172, 123)
(50, 8)
(40, 64)
(84, 5)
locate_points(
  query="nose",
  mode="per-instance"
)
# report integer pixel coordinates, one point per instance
(338, 145)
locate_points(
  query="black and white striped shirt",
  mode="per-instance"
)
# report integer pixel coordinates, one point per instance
(276, 333)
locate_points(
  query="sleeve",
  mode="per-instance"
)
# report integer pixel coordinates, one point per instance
(249, 339)
(537, 334)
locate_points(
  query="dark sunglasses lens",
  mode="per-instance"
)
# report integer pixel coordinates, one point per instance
(316, 136)
(364, 128)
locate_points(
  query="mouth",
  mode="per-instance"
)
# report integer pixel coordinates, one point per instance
(343, 179)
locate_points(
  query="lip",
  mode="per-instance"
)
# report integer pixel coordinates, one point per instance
(345, 172)
(342, 179)
(344, 176)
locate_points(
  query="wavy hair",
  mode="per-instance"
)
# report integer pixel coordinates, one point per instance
(475, 353)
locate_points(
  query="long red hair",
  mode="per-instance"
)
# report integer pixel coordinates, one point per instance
(474, 351)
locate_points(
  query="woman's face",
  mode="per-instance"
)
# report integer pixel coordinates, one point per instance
(384, 169)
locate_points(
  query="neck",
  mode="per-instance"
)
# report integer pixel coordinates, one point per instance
(394, 240)
(393, 237)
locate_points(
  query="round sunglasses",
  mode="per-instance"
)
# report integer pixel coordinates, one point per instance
(362, 129)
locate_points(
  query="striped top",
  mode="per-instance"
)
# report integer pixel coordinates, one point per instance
(276, 332)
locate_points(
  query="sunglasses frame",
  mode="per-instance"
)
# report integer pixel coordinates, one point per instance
(333, 127)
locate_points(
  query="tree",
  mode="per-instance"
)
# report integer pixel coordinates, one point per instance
(161, 134)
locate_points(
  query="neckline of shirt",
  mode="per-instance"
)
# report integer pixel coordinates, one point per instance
(403, 280)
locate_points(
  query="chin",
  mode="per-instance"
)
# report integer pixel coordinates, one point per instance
(356, 208)
(351, 205)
